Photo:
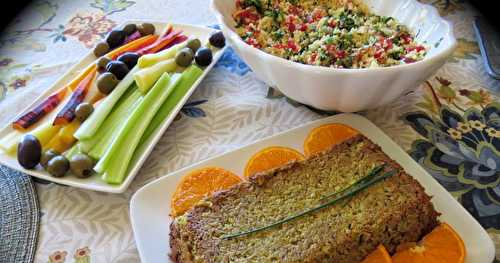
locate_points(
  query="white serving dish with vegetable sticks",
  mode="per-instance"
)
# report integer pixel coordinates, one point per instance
(150, 205)
(95, 182)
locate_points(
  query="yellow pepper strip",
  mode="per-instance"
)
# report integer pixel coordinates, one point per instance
(64, 139)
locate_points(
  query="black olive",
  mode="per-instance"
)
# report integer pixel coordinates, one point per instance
(29, 151)
(115, 38)
(81, 165)
(83, 111)
(184, 57)
(118, 68)
(146, 29)
(203, 57)
(106, 82)
(102, 62)
(58, 166)
(47, 156)
(194, 44)
(129, 58)
(129, 29)
(101, 49)
(217, 39)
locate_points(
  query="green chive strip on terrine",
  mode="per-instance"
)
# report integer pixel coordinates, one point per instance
(343, 194)
(367, 177)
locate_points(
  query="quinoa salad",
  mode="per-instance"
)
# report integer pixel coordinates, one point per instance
(331, 33)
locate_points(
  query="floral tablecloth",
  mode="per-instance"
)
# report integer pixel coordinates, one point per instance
(450, 124)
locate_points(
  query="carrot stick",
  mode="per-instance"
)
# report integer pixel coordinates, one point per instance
(67, 114)
(133, 46)
(90, 69)
(158, 45)
(168, 29)
(42, 109)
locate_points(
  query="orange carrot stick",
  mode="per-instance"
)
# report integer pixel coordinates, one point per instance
(133, 46)
(161, 43)
(90, 69)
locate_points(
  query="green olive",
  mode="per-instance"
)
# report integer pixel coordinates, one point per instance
(47, 156)
(101, 49)
(146, 29)
(129, 29)
(83, 111)
(194, 44)
(184, 57)
(102, 62)
(106, 82)
(81, 165)
(58, 166)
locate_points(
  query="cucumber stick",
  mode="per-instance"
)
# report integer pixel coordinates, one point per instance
(146, 78)
(114, 164)
(188, 78)
(92, 124)
(151, 59)
(121, 111)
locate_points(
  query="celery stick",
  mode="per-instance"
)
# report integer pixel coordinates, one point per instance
(122, 109)
(151, 59)
(91, 125)
(188, 78)
(110, 134)
(113, 165)
(146, 78)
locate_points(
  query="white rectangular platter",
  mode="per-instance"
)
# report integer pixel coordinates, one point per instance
(94, 182)
(150, 206)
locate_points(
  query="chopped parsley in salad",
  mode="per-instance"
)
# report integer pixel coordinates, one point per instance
(331, 33)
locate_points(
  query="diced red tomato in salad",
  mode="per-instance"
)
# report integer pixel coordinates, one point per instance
(318, 13)
(253, 42)
(292, 45)
(416, 48)
(247, 16)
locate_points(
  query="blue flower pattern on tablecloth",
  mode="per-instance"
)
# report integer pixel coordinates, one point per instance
(462, 152)
(233, 63)
(192, 110)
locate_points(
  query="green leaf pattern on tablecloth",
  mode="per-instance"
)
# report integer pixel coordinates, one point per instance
(112, 6)
(230, 110)
(12, 76)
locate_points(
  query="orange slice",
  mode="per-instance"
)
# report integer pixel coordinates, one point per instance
(443, 244)
(324, 137)
(271, 157)
(379, 255)
(198, 184)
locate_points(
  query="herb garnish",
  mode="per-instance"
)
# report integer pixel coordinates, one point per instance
(365, 178)
(343, 194)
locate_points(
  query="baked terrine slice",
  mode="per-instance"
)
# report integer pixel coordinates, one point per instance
(389, 212)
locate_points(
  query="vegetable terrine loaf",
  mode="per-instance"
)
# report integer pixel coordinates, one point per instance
(390, 212)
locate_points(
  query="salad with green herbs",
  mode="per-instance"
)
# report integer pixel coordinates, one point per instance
(331, 33)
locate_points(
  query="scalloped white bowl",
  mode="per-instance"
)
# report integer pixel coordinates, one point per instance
(350, 90)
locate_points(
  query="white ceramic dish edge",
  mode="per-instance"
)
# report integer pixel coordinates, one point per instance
(94, 183)
(349, 90)
(149, 206)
